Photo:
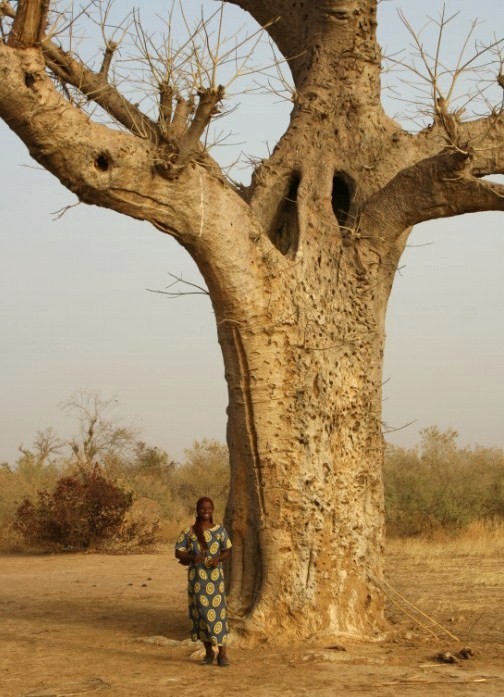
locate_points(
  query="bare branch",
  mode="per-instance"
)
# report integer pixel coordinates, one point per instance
(61, 212)
(98, 433)
(208, 100)
(437, 82)
(199, 290)
(107, 58)
(165, 106)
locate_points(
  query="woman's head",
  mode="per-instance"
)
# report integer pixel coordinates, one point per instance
(205, 509)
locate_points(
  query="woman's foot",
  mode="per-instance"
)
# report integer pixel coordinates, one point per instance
(207, 660)
(222, 661)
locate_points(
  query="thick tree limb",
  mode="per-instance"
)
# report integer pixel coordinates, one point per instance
(300, 29)
(288, 31)
(117, 170)
(485, 137)
(437, 187)
(96, 88)
(29, 23)
(179, 135)
(71, 71)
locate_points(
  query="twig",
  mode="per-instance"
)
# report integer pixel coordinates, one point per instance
(394, 429)
(61, 212)
(177, 294)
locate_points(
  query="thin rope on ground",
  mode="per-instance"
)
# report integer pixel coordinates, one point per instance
(388, 590)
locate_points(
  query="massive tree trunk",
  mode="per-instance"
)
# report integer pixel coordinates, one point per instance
(299, 267)
(306, 502)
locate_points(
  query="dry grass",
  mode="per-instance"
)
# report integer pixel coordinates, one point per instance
(457, 581)
(480, 539)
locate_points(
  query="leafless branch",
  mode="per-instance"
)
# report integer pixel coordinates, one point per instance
(393, 429)
(61, 212)
(199, 290)
(179, 81)
(436, 82)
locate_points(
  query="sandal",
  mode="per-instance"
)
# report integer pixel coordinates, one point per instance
(207, 660)
(223, 662)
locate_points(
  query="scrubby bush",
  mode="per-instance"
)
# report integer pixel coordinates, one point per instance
(69, 504)
(438, 486)
(83, 510)
(140, 527)
(204, 472)
(54, 507)
(51, 508)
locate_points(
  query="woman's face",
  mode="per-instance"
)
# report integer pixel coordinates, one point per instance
(205, 510)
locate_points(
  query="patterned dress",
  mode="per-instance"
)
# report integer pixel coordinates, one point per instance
(207, 600)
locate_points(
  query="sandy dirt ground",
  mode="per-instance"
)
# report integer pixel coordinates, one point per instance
(116, 625)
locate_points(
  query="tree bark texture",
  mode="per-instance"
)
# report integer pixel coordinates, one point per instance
(299, 267)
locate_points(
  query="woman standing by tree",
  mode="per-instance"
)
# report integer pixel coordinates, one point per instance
(203, 547)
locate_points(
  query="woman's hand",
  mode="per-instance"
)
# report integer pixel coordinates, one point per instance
(215, 561)
(188, 557)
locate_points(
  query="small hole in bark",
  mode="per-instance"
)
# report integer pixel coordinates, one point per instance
(284, 231)
(102, 163)
(29, 79)
(342, 193)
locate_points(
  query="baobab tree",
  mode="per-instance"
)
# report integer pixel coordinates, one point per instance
(299, 266)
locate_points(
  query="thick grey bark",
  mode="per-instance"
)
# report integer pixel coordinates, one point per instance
(299, 268)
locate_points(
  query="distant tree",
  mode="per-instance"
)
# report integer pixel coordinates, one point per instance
(299, 264)
(100, 436)
(152, 460)
(37, 466)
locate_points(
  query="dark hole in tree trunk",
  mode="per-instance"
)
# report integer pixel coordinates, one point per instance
(29, 79)
(342, 193)
(102, 162)
(284, 231)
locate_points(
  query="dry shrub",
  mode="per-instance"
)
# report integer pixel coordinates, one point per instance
(82, 510)
(139, 528)
(438, 489)
(205, 472)
(10, 541)
(434, 490)
(165, 494)
(175, 487)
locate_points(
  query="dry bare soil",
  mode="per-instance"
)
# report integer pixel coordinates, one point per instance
(116, 625)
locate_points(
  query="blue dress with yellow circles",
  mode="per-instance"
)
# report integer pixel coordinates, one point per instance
(207, 600)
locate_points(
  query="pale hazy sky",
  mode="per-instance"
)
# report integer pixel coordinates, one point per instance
(75, 312)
